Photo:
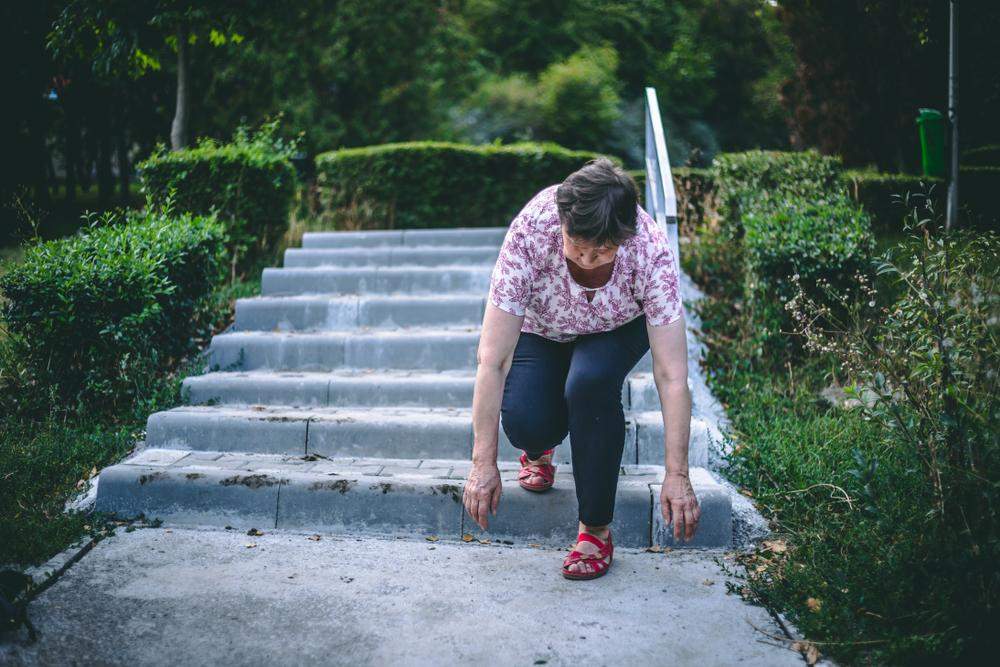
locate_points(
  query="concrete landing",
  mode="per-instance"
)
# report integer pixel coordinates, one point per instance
(183, 597)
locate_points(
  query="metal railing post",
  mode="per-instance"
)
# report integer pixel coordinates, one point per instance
(661, 198)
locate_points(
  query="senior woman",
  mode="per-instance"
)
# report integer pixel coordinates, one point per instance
(585, 284)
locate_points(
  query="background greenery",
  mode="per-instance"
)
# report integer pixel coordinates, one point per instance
(93, 83)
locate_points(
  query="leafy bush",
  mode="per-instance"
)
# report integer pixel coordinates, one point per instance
(764, 175)
(573, 102)
(782, 214)
(90, 316)
(436, 184)
(983, 156)
(921, 350)
(579, 97)
(249, 183)
(821, 244)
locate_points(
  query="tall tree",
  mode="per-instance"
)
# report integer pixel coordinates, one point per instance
(864, 67)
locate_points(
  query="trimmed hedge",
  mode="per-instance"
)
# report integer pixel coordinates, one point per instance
(248, 186)
(91, 315)
(793, 218)
(817, 241)
(437, 184)
(978, 187)
(983, 156)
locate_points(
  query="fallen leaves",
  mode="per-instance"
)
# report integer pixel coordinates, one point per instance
(431, 538)
(250, 545)
(709, 582)
(467, 537)
(775, 546)
(314, 538)
(657, 549)
(808, 651)
(253, 532)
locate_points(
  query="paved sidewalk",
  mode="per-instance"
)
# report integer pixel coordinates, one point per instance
(190, 597)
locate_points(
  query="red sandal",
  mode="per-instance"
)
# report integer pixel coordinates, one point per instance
(598, 566)
(546, 471)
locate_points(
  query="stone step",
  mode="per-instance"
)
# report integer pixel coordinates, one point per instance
(377, 280)
(370, 388)
(342, 388)
(332, 313)
(385, 496)
(395, 432)
(414, 348)
(453, 237)
(392, 256)
(387, 432)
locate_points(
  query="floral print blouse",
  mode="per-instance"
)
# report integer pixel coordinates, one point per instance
(531, 277)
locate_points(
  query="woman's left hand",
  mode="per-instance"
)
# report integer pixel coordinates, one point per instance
(680, 505)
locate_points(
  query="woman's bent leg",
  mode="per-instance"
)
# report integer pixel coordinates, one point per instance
(533, 410)
(598, 367)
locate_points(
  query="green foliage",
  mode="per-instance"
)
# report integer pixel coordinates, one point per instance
(983, 156)
(884, 503)
(783, 215)
(90, 317)
(573, 102)
(249, 183)
(435, 184)
(757, 176)
(821, 244)
(579, 97)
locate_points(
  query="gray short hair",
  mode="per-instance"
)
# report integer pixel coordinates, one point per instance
(597, 203)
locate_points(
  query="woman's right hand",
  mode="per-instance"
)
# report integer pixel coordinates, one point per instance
(482, 492)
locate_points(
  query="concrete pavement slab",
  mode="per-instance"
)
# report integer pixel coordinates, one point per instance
(186, 597)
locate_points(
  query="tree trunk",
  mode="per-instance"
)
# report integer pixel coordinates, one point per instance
(179, 128)
(105, 177)
(72, 152)
(121, 150)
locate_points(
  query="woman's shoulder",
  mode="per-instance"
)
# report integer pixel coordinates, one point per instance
(650, 239)
(539, 214)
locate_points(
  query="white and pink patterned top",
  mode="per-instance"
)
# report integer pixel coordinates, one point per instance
(531, 278)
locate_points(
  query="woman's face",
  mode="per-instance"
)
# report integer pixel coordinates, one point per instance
(586, 255)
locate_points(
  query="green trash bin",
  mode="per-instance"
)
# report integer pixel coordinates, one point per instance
(931, 124)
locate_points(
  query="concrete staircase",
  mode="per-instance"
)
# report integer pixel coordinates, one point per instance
(341, 400)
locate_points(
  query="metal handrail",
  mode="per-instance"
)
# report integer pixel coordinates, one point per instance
(661, 200)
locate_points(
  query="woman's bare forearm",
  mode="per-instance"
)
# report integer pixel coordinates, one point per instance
(675, 404)
(486, 398)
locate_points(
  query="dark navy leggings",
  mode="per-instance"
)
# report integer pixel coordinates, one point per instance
(576, 387)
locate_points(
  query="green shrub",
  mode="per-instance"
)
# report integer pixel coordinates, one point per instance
(579, 97)
(921, 347)
(763, 175)
(821, 243)
(91, 316)
(249, 183)
(983, 156)
(783, 215)
(978, 186)
(435, 184)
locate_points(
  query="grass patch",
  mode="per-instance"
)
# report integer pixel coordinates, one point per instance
(43, 459)
(861, 560)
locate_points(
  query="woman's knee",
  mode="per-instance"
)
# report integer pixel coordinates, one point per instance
(593, 385)
(530, 428)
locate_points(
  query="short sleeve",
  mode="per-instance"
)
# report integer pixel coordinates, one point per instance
(513, 274)
(661, 299)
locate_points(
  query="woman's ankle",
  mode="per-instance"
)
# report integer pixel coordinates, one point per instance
(597, 531)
